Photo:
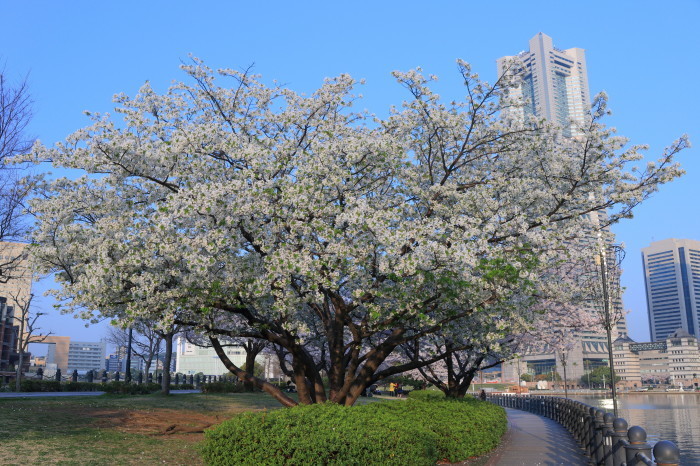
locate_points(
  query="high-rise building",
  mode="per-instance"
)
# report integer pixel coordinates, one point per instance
(672, 279)
(555, 88)
(555, 83)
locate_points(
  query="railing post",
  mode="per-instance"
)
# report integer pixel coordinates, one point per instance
(608, 419)
(590, 432)
(598, 451)
(619, 438)
(637, 444)
(666, 453)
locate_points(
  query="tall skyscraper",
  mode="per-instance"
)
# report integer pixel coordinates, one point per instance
(555, 88)
(672, 279)
(555, 83)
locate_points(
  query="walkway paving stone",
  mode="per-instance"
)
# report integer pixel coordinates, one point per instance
(535, 440)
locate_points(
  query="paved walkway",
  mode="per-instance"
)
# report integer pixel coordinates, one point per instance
(535, 440)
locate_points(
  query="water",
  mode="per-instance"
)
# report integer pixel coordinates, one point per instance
(674, 417)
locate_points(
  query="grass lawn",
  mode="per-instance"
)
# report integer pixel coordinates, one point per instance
(112, 429)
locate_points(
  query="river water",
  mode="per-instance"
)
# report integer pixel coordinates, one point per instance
(673, 416)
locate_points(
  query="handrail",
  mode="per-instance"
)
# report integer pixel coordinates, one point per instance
(606, 440)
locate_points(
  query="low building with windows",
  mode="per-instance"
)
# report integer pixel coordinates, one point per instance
(674, 360)
(193, 359)
(68, 355)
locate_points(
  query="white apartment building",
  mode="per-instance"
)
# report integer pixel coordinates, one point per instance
(83, 356)
(555, 83)
(672, 279)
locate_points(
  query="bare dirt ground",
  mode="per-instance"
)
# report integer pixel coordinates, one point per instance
(159, 422)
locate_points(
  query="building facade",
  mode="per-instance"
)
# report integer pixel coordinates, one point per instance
(674, 360)
(68, 356)
(555, 83)
(8, 334)
(193, 359)
(672, 279)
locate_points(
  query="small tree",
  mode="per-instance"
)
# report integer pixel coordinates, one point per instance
(598, 376)
(27, 328)
(145, 343)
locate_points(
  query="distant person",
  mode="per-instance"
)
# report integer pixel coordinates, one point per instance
(482, 395)
(392, 389)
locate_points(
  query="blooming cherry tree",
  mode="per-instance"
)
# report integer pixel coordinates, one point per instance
(251, 211)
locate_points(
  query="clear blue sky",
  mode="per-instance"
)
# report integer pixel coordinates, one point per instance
(644, 54)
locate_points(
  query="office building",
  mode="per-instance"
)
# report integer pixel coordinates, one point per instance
(555, 83)
(68, 356)
(672, 279)
(555, 88)
(193, 359)
(8, 334)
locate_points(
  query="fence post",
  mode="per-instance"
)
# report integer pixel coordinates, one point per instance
(637, 444)
(619, 438)
(598, 453)
(608, 419)
(590, 432)
(666, 453)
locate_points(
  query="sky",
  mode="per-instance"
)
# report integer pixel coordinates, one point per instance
(78, 54)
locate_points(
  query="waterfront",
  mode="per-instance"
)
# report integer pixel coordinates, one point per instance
(674, 417)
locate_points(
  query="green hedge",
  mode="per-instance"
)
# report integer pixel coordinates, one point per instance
(413, 432)
(29, 385)
(222, 387)
(426, 395)
(121, 388)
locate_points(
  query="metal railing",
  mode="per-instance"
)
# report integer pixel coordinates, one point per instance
(606, 440)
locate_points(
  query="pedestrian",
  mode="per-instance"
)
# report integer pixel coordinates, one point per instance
(482, 395)
(392, 388)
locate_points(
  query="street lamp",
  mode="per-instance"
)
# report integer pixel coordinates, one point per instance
(606, 314)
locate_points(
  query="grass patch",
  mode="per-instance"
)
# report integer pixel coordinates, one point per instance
(115, 429)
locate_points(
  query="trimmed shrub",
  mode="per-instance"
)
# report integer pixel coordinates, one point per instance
(31, 385)
(222, 387)
(426, 395)
(121, 388)
(182, 386)
(412, 432)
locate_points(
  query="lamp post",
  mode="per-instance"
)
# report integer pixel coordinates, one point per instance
(607, 320)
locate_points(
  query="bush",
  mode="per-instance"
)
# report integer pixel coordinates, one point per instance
(32, 385)
(412, 432)
(182, 386)
(426, 395)
(121, 388)
(222, 387)
(79, 387)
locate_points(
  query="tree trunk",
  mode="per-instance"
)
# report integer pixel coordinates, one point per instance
(267, 387)
(249, 368)
(18, 379)
(147, 369)
(165, 386)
